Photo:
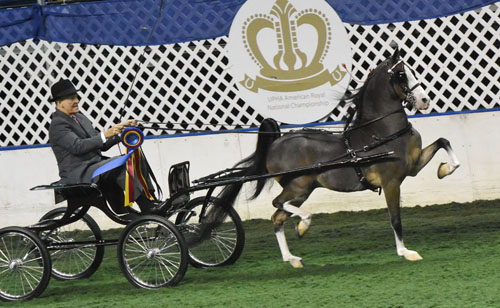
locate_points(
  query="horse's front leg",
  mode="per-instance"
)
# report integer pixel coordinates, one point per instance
(392, 196)
(305, 218)
(428, 153)
(446, 169)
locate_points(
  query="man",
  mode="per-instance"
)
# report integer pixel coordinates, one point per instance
(77, 147)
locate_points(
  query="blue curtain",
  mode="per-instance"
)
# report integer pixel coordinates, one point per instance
(131, 22)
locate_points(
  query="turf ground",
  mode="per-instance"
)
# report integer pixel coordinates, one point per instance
(350, 261)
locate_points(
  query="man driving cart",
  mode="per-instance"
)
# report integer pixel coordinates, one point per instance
(77, 147)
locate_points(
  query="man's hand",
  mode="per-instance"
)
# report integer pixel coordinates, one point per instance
(117, 128)
(130, 122)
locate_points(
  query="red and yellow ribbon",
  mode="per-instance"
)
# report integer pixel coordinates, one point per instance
(132, 138)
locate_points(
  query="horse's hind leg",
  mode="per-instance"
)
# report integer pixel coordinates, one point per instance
(278, 220)
(288, 205)
(428, 153)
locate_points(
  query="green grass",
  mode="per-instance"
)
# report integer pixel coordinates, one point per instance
(350, 261)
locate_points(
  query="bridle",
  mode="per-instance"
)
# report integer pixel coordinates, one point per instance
(409, 99)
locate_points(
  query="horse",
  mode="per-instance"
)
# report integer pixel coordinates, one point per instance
(379, 124)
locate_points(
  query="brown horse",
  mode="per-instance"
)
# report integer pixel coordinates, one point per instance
(380, 125)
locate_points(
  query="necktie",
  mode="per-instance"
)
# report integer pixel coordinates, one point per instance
(78, 122)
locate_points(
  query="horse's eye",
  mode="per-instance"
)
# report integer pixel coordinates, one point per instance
(401, 75)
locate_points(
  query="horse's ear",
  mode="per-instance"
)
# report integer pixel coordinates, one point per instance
(395, 55)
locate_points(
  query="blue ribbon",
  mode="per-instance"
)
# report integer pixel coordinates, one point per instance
(132, 138)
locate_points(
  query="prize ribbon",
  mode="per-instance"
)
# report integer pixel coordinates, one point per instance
(132, 138)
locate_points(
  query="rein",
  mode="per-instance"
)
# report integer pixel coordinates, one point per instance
(303, 131)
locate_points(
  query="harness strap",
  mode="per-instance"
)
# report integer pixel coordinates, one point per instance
(357, 168)
(366, 148)
(350, 129)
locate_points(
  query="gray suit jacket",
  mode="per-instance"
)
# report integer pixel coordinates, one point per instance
(77, 147)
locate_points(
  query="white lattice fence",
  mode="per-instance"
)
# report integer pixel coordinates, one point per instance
(189, 86)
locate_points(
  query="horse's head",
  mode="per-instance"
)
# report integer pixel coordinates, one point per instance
(405, 84)
(391, 81)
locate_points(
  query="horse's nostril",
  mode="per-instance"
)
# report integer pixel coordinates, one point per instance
(425, 100)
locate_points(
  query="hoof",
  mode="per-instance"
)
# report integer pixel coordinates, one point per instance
(301, 229)
(442, 170)
(445, 169)
(296, 263)
(411, 255)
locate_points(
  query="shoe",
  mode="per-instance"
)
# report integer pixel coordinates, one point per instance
(155, 208)
(150, 207)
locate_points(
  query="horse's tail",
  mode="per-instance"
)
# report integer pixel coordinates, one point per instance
(254, 164)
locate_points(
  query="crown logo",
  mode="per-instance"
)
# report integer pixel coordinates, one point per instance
(291, 69)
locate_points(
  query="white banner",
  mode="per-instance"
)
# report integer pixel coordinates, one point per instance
(289, 58)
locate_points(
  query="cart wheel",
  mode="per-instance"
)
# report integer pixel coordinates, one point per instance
(226, 242)
(24, 264)
(78, 261)
(152, 253)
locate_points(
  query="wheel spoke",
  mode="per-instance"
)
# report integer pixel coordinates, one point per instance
(138, 264)
(28, 280)
(36, 259)
(174, 264)
(170, 272)
(135, 258)
(144, 248)
(132, 250)
(3, 260)
(6, 250)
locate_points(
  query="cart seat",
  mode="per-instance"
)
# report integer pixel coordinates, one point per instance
(64, 192)
(80, 198)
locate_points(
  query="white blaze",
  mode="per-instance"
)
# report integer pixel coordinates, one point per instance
(422, 99)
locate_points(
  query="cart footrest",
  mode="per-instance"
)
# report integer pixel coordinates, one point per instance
(47, 223)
